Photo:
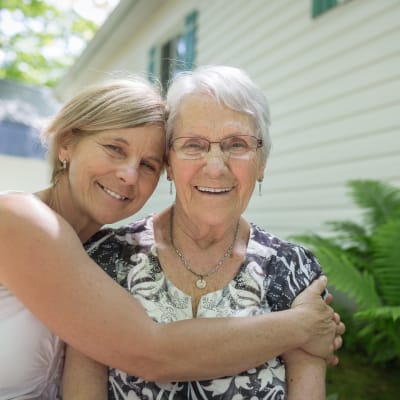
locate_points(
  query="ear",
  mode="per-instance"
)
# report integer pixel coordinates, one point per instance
(65, 147)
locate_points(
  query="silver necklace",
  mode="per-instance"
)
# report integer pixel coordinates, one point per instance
(201, 283)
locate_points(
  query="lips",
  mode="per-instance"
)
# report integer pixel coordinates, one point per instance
(112, 193)
(204, 189)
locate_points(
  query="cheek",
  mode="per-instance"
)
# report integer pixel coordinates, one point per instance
(182, 181)
(247, 174)
(150, 184)
(180, 173)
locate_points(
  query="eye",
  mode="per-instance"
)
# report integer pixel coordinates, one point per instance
(193, 145)
(235, 144)
(114, 149)
(149, 166)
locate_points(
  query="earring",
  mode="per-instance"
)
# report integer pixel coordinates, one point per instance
(259, 187)
(64, 164)
(170, 185)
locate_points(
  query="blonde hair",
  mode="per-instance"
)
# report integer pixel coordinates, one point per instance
(114, 104)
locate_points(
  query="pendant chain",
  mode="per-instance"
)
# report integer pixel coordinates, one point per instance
(201, 283)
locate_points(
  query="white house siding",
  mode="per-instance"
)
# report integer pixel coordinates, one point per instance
(333, 85)
(23, 174)
(334, 88)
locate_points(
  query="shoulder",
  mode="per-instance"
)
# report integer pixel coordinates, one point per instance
(289, 267)
(129, 234)
(280, 248)
(113, 248)
(30, 231)
(18, 210)
(11, 201)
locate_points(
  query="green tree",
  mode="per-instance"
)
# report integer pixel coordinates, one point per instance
(38, 41)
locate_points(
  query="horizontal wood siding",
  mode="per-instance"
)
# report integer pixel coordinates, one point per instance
(333, 83)
(334, 88)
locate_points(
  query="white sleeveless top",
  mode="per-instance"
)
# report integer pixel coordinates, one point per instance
(31, 357)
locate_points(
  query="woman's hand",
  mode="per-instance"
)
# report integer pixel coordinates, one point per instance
(322, 325)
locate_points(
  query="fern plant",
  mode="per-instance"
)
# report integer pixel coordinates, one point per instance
(363, 260)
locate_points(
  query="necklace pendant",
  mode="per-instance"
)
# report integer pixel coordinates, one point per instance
(201, 283)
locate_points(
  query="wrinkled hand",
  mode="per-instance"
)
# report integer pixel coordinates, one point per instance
(338, 341)
(319, 321)
(340, 330)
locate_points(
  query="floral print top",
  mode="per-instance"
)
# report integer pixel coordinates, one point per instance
(273, 273)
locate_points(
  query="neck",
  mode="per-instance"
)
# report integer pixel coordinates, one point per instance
(201, 283)
(200, 233)
(58, 198)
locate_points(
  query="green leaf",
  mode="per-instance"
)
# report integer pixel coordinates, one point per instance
(43, 25)
(386, 263)
(380, 200)
(391, 313)
(345, 277)
(364, 262)
(350, 234)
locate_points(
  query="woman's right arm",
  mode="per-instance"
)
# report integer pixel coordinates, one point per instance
(44, 264)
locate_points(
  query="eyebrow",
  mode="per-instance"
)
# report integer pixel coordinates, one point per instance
(120, 139)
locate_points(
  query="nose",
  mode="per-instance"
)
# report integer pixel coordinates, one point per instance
(128, 174)
(215, 160)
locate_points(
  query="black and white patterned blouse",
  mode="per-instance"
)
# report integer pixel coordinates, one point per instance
(273, 274)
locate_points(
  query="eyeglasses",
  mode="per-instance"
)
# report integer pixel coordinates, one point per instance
(193, 148)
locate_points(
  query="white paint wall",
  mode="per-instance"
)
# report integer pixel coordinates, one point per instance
(23, 174)
(333, 85)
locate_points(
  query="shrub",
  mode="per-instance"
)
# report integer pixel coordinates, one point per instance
(363, 261)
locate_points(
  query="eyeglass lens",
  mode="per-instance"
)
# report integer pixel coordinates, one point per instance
(233, 146)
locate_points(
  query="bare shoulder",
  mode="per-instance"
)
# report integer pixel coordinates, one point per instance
(24, 210)
(19, 203)
(28, 229)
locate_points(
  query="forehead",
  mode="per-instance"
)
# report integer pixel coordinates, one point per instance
(202, 111)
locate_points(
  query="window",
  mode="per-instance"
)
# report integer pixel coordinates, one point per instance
(175, 55)
(321, 6)
(172, 59)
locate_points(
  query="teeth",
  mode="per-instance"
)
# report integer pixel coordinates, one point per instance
(113, 194)
(213, 190)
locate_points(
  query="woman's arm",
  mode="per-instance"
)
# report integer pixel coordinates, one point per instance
(305, 376)
(83, 377)
(87, 379)
(44, 264)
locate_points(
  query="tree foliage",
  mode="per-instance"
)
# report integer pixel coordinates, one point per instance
(38, 41)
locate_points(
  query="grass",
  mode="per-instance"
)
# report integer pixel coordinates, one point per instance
(353, 379)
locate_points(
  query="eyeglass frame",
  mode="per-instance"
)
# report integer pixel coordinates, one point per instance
(259, 144)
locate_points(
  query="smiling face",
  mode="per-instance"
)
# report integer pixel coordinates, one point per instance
(112, 174)
(215, 189)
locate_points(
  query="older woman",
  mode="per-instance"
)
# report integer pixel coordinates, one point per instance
(200, 258)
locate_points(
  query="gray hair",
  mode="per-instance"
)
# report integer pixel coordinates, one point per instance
(113, 104)
(229, 86)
